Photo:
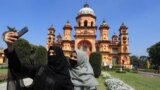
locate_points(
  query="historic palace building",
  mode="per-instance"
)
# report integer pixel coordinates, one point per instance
(115, 51)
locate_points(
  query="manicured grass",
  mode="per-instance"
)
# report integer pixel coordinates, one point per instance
(3, 75)
(138, 81)
(101, 85)
(3, 71)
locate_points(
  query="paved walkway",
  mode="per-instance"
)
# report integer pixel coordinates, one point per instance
(149, 74)
(4, 85)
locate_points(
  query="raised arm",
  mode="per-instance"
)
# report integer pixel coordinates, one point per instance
(13, 61)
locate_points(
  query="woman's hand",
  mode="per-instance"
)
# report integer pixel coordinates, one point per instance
(10, 38)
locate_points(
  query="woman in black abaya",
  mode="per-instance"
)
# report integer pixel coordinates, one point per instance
(54, 76)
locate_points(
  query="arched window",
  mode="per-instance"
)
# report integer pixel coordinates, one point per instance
(79, 23)
(49, 38)
(85, 23)
(50, 32)
(92, 23)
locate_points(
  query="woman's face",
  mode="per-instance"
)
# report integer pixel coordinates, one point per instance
(73, 56)
(52, 52)
(73, 59)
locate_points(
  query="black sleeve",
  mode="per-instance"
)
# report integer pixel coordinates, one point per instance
(18, 67)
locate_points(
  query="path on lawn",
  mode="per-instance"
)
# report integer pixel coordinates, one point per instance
(149, 74)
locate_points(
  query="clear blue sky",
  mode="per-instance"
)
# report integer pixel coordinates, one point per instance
(142, 17)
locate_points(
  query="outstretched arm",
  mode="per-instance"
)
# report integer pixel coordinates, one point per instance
(13, 61)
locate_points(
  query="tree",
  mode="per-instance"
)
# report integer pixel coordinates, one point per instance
(40, 55)
(143, 61)
(23, 50)
(143, 58)
(33, 51)
(154, 54)
(95, 61)
(134, 60)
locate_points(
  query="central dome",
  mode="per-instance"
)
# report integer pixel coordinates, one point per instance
(86, 10)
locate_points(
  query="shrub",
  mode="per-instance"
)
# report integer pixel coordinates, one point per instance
(116, 84)
(95, 61)
(4, 66)
(40, 55)
(120, 71)
(106, 75)
(23, 50)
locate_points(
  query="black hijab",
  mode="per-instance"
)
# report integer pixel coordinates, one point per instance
(58, 62)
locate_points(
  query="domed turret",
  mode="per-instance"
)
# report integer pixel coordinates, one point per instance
(86, 10)
(115, 38)
(59, 38)
(104, 25)
(67, 25)
(51, 28)
(123, 27)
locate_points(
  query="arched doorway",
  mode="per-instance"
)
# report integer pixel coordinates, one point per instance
(124, 60)
(85, 45)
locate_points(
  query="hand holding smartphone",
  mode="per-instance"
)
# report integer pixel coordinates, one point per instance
(22, 32)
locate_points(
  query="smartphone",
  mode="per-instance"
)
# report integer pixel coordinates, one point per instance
(22, 32)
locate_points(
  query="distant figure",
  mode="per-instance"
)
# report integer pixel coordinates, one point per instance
(53, 76)
(81, 72)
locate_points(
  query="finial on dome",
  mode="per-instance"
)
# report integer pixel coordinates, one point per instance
(122, 24)
(86, 5)
(51, 27)
(67, 21)
(103, 21)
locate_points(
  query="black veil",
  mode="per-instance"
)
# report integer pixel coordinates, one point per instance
(59, 62)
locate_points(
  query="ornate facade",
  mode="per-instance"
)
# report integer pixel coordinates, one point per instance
(115, 51)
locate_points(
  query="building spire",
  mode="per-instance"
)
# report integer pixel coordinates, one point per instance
(86, 5)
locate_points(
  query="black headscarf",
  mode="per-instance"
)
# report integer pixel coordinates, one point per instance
(55, 75)
(58, 62)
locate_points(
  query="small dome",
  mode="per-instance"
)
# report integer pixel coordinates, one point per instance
(86, 10)
(67, 25)
(59, 36)
(104, 25)
(123, 26)
(114, 36)
(51, 27)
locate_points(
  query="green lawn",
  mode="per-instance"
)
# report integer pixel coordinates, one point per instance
(3, 75)
(3, 71)
(137, 81)
(101, 83)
